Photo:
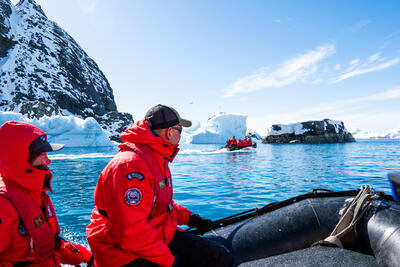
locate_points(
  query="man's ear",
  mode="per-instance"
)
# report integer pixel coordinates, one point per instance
(168, 133)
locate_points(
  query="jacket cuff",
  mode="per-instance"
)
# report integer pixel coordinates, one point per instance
(170, 261)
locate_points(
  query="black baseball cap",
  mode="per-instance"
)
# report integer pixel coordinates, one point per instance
(40, 145)
(162, 116)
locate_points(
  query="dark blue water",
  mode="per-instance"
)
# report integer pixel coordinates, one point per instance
(218, 184)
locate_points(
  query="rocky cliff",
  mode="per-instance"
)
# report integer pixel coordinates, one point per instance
(309, 132)
(44, 72)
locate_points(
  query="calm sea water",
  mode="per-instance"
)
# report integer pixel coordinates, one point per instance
(217, 184)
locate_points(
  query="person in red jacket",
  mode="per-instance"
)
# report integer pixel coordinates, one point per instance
(233, 141)
(29, 231)
(135, 219)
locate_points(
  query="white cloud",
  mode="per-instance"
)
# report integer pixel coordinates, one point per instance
(338, 109)
(359, 25)
(337, 67)
(374, 57)
(288, 72)
(355, 62)
(366, 68)
(87, 6)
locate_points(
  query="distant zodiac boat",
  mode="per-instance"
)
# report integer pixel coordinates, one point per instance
(291, 232)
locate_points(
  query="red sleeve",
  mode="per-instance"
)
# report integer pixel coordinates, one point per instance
(73, 253)
(128, 201)
(182, 214)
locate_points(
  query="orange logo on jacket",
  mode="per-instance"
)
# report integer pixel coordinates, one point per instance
(38, 221)
(161, 184)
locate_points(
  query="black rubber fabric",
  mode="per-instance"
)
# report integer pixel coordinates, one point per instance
(193, 250)
(316, 256)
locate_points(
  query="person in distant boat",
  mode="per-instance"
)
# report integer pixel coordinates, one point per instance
(135, 219)
(29, 230)
(240, 143)
(233, 141)
(228, 142)
(247, 141)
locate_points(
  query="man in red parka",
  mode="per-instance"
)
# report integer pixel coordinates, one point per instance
(135, 219)
(29, 231)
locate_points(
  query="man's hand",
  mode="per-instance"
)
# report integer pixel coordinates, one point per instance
(203, 224)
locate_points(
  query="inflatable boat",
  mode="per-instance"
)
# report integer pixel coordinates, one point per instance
(234, 148)
(292, 232)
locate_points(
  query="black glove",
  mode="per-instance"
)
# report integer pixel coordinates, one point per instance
(203, 224)
(176, 261)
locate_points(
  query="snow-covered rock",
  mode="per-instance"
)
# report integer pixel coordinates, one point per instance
(219, 128)
(254, 135)
(44, 72)
(314, 132)
(68, 130)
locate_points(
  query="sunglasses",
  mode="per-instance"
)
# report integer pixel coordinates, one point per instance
(178, 128)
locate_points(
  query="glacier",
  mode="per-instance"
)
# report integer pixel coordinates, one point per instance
(68, 130)
(219, 128)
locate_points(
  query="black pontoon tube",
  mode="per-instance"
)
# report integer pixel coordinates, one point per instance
(298, 222)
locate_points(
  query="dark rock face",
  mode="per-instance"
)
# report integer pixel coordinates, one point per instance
(43, 71)
(311, 132)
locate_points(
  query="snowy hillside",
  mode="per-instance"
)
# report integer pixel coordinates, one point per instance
(219, 128)
(67, 130)
(44, 72)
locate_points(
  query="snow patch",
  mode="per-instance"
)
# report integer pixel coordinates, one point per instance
(297, 128)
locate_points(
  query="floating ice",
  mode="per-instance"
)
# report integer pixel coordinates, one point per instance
(68, 130)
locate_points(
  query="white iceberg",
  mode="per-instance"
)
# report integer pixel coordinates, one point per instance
(68, 130)
(219, 128)
(394, 133)
(363, 134)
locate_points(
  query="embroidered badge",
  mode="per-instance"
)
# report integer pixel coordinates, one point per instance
(161, 184)
(21, 228)
(49, 212)
(133, 196)
(135, 175)
(38, 221)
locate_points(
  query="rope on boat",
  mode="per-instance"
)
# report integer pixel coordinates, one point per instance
(352, 214)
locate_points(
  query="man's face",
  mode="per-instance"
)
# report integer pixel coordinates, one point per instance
(41, 162)
(174, 134)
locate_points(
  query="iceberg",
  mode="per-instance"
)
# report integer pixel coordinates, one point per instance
(68, 130)
(219, 128)
(363, 134)
(394, 133)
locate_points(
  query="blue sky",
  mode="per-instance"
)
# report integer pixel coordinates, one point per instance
(276, 61)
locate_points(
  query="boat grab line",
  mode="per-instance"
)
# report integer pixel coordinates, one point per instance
(315, 213)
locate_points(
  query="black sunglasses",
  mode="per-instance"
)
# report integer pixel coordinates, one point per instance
(178, 128)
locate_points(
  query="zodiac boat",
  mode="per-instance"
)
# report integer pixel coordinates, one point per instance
(290, 233)
(234, 148)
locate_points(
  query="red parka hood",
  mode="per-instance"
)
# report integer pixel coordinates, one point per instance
(15, 139)
(139, 132)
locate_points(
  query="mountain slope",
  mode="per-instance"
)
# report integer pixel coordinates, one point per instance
(43, 71)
